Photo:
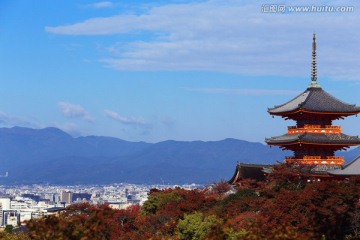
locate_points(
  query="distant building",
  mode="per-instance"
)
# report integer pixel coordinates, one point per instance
(5, 203)
(31, 196)
(81, 197)
(10, 217)
(66, 197)
(1, 213)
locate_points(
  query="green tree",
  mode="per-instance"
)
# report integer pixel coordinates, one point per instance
(196, 227)
(9, 228)
(239, 195)
(158, 200)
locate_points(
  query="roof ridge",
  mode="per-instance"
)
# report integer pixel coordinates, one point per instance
(307, 98)
(354, 160)
(343, 102)
(276, 106)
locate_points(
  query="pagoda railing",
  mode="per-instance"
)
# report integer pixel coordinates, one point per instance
(307, 128)
(332, 160)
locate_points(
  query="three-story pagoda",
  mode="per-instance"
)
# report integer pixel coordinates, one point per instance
(314, 140)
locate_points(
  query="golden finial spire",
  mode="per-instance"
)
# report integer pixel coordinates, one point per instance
(313, 67)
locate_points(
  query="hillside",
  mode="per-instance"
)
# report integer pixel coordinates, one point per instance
(52, 156)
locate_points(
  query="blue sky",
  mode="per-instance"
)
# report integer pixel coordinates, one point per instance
(158, 70)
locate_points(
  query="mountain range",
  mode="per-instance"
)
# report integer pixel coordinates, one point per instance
(52, 156)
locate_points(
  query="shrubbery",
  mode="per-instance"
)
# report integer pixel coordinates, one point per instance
(283, 207)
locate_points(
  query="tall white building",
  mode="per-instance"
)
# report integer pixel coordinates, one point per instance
(66, 197)
(5, 203)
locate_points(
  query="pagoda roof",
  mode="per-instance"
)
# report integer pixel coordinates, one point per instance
(351, 169)
(315, 100)
(250, 171)
(310, 138)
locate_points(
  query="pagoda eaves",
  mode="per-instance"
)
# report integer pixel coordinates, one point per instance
(336, 139)
(314, 101)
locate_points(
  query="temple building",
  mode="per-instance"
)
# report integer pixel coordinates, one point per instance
(313, 140)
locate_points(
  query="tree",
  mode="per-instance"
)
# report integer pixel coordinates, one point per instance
(196, 227)
(159, 199)
(9, 228)
(286, 206)
(14, 236)
(85, 221)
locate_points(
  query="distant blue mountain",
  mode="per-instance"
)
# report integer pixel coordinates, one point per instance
(52, 156)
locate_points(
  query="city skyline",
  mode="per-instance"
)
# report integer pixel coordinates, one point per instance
(181, 70)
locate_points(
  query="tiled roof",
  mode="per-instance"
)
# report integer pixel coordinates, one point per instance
(252, 171)
(352, 168)
(339, 138)
(315, 99)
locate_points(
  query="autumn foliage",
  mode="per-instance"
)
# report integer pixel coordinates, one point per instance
(286, 206)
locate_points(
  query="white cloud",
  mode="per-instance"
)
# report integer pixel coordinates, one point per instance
(74, 111)
(125, 120)
(248, 92)
(96, 26)
(10, 121)
(230, 36)
(105, 4)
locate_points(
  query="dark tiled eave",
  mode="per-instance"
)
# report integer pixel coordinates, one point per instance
(252, 171)
(304, 111)
(314, 138)
(315, 101)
